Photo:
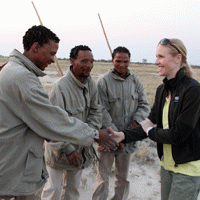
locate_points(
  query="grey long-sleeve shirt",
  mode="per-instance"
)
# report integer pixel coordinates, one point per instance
(79, 100)
(123, 100)
(27, 117)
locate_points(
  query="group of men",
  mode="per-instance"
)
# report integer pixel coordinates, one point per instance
(76, 113)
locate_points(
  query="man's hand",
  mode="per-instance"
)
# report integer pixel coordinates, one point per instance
(73, 158)
(106, 141)
(133, 124)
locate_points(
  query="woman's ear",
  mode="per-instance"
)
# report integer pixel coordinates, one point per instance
(179, 58)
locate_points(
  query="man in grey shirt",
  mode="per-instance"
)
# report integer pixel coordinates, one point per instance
(27, 118)
(77, 94)
(125, 104)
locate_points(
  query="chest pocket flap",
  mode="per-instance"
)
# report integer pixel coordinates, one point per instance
(135, 96)
(75, 111)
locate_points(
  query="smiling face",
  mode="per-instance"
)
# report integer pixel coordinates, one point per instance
(168, 64)
(121, 62)
(82, 65)
(45, 54)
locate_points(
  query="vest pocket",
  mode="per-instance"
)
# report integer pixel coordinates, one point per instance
(135, 96)
(76, 112)
(34, 166)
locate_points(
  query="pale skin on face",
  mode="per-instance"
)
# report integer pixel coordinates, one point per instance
(42, 56)
(168, 65)
(82, 65)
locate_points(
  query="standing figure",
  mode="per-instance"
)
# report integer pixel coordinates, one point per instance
(77, 94)
(27, 118)
(125, 104)
(174, 123)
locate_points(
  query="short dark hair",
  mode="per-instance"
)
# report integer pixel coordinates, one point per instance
(39, 34)
(121, 50)
(76, 49)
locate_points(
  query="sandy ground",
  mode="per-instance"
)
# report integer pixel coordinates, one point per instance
(143, 175)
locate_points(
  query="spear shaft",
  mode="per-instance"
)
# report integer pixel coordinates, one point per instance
(37, 14)
(56, 60)
(105, 34)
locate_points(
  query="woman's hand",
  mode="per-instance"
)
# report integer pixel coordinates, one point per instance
(147, 125)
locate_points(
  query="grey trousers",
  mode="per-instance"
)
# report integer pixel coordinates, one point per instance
(62, 185)
(121, 189)
(176, 186)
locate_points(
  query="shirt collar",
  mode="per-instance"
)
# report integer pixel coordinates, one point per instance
(116, 73)
(172, 83)
(18, 57)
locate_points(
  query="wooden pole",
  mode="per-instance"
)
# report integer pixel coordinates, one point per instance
(37, 14)
(105, 35)
(56, 60)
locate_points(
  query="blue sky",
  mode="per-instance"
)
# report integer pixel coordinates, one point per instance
(137, 25)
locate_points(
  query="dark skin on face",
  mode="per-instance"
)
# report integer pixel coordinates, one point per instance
(121, 62)
(82, 65)
(42, 56)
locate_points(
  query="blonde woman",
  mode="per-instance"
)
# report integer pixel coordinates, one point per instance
(174, 123)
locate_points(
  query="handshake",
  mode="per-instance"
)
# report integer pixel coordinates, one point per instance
(109, 139)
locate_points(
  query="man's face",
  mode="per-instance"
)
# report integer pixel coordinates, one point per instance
(45, 54)
(121, 62)
(82, 65)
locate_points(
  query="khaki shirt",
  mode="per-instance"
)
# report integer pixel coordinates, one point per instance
(79, 100)
(27, 118)
(123, 100)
